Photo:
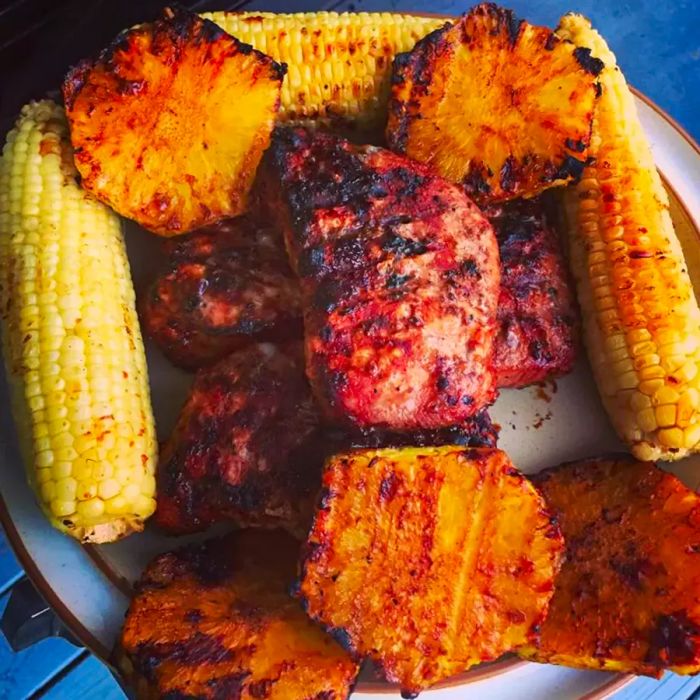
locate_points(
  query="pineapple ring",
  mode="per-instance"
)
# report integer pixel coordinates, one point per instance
(170, 121)
(429, 560)
(496, 104)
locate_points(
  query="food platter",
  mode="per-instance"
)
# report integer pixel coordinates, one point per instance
(88, 586)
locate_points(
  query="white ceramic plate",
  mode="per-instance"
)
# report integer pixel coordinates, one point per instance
(89, 586)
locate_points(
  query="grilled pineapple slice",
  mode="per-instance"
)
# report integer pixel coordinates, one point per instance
(169, 121)
(495, 103)
(429, 560)
(627, 597)
(215, 621)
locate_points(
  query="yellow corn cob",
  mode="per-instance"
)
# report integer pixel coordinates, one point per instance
(338, 64)
(641, 319)
(71, 339)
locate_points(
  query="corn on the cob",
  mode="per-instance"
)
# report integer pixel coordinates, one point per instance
(641, 319)
(338, 64)
(71, 339)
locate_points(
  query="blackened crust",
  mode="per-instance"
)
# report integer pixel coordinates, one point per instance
(244, 448)
(589, 63)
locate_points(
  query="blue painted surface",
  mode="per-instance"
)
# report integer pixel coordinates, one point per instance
(670, 687)
(10, 570)
(657, 45)
(24, 673)
(89, 680)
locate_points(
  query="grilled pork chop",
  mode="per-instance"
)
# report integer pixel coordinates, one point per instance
(243, 448)
(399, 274)
(537, 314)
(215, 622)
(223, 287)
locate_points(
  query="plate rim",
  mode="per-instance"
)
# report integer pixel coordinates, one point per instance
(482, 673)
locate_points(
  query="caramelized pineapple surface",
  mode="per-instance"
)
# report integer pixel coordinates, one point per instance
(170, 120)
(496, 104)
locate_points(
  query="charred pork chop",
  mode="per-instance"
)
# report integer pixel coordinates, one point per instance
(243, 447)
(537, 314)
(223, 287)
(400, 276)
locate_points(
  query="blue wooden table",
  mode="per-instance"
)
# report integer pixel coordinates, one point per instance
(658, 46)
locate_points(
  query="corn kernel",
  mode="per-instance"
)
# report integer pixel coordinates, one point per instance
(108, 488)
(667, 337)
(686, 408)
(665, 415)
(671, 363)
(102, 470)
(691, 436)
(125, 429)
(671, 437)
(665, 395)
(66, 489)
(117, 505)
(73, 347)
(686, 373)
(644, 451)
(41, 430)
(647, 420)
(643, 348)
(82, 468)
(32, 363)
(62, 441)
(131, 492)
(630, 430)
(32, 389)
(122, 475)
(638, 335)
(36, 403)
(65, 454)
(622, 367)
(48, 490)
(42, 444)
(43, 475)
(648, 361)
(102, 410)
(639, 401)
(107, 439)
(56, 411)
(144, 506)
(653, 372)
(651, 386)
(49, 367)
(59, 426)
(148, 485)
(627, 381)
(82, 443)
(44, 459)
(62, 508)
(61, 470)
(86, 490)
(92, 509)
